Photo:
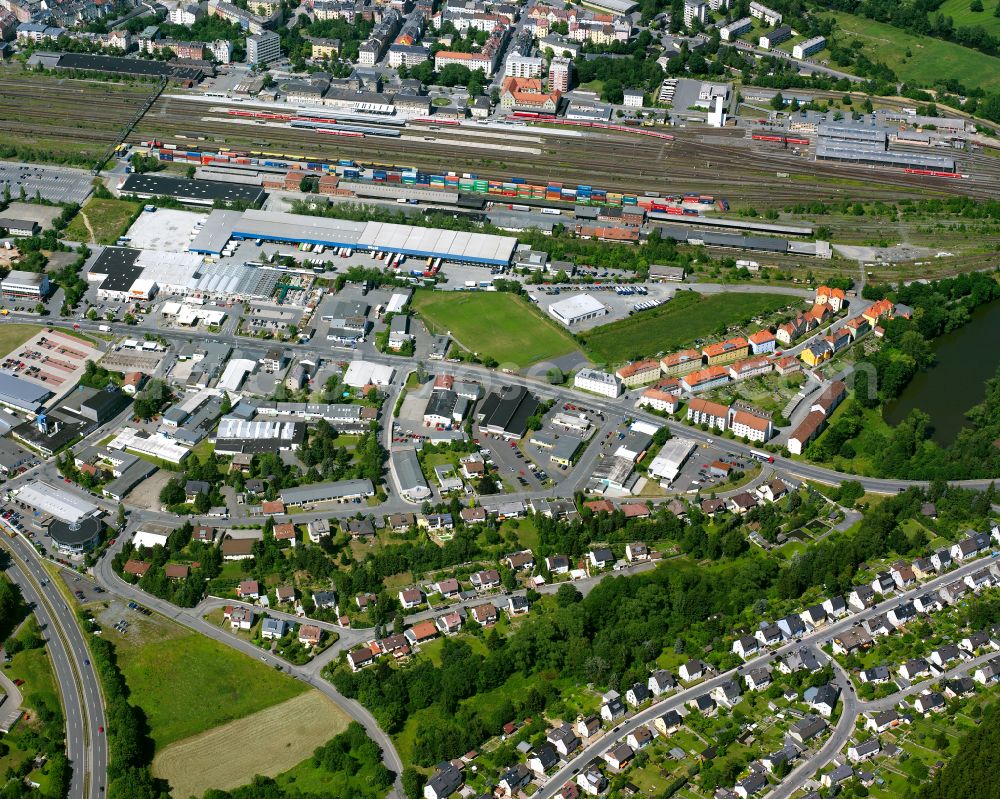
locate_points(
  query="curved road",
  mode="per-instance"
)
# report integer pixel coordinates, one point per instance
(193, 621)
(78, 683)
(814, 639)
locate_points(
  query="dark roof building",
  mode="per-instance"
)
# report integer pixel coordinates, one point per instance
(195, 192)
(506, 412)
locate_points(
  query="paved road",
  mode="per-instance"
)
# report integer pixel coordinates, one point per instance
(193, 621)
(83, 702)
(677, 701)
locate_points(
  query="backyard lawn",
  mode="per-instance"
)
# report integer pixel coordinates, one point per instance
(677, 323)
(495, 324)
(108, 220)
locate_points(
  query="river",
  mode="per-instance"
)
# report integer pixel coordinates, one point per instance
(965, 359)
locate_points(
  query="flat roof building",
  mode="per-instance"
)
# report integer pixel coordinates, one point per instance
(338, 491)
(21, 394)
(193, 192)
(576, 309)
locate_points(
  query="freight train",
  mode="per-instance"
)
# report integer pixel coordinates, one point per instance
(408, 176)
(779, 138)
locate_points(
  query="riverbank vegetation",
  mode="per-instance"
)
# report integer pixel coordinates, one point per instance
(858, 439)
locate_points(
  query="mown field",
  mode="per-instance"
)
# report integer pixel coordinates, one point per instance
(108, 220)
(269, 742)
(496, 324)
(14, 335)
(186, 683)
(930, 59)
(963, 16)
(679, 322)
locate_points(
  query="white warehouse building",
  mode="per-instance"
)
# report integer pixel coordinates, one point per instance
(574, 310)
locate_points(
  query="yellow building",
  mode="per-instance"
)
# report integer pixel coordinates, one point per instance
(815, 354)
(325, 48)
(733, 349)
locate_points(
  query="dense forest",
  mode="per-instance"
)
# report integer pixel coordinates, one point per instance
(969, 775)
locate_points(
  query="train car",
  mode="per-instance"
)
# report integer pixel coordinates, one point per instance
(933, 173)
(351, 134)
(796, 140)
(777, 138)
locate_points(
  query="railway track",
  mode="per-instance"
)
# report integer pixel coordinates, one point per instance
(693, 162)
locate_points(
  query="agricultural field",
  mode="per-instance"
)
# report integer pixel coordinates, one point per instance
(210, 684)
(63, 120)
(929, 59)
(271, 741)
(494, 324)
(688, 316)
(101, 221)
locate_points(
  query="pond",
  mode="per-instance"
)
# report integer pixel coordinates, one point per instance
(965, 359)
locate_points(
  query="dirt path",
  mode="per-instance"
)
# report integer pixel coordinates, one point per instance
(90, 230)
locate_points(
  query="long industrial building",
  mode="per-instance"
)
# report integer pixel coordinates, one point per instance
(420, 242)
(829, 151)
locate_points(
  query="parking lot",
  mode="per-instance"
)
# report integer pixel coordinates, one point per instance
(54, 183)
(513, 467)
(83, 589)
(51, 359)
(697, 473)
(619, 305)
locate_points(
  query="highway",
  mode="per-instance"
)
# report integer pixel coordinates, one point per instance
(814, 639)
(79, 685)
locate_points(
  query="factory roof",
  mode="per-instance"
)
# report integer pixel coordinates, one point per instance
(127, 66)
(205, 191)
(388, 237)
(19, 393)
(216, 232)
(325, 492)
(408, 472)
(56, 501)
(849, 152)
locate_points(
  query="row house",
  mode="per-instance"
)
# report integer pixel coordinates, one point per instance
(705, 379)
(701, 411)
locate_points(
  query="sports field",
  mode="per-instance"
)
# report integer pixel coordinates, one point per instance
(679, 322)
(268, 742)
(186, 683)
(495, 324)
(929, 60)
(108, 219)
